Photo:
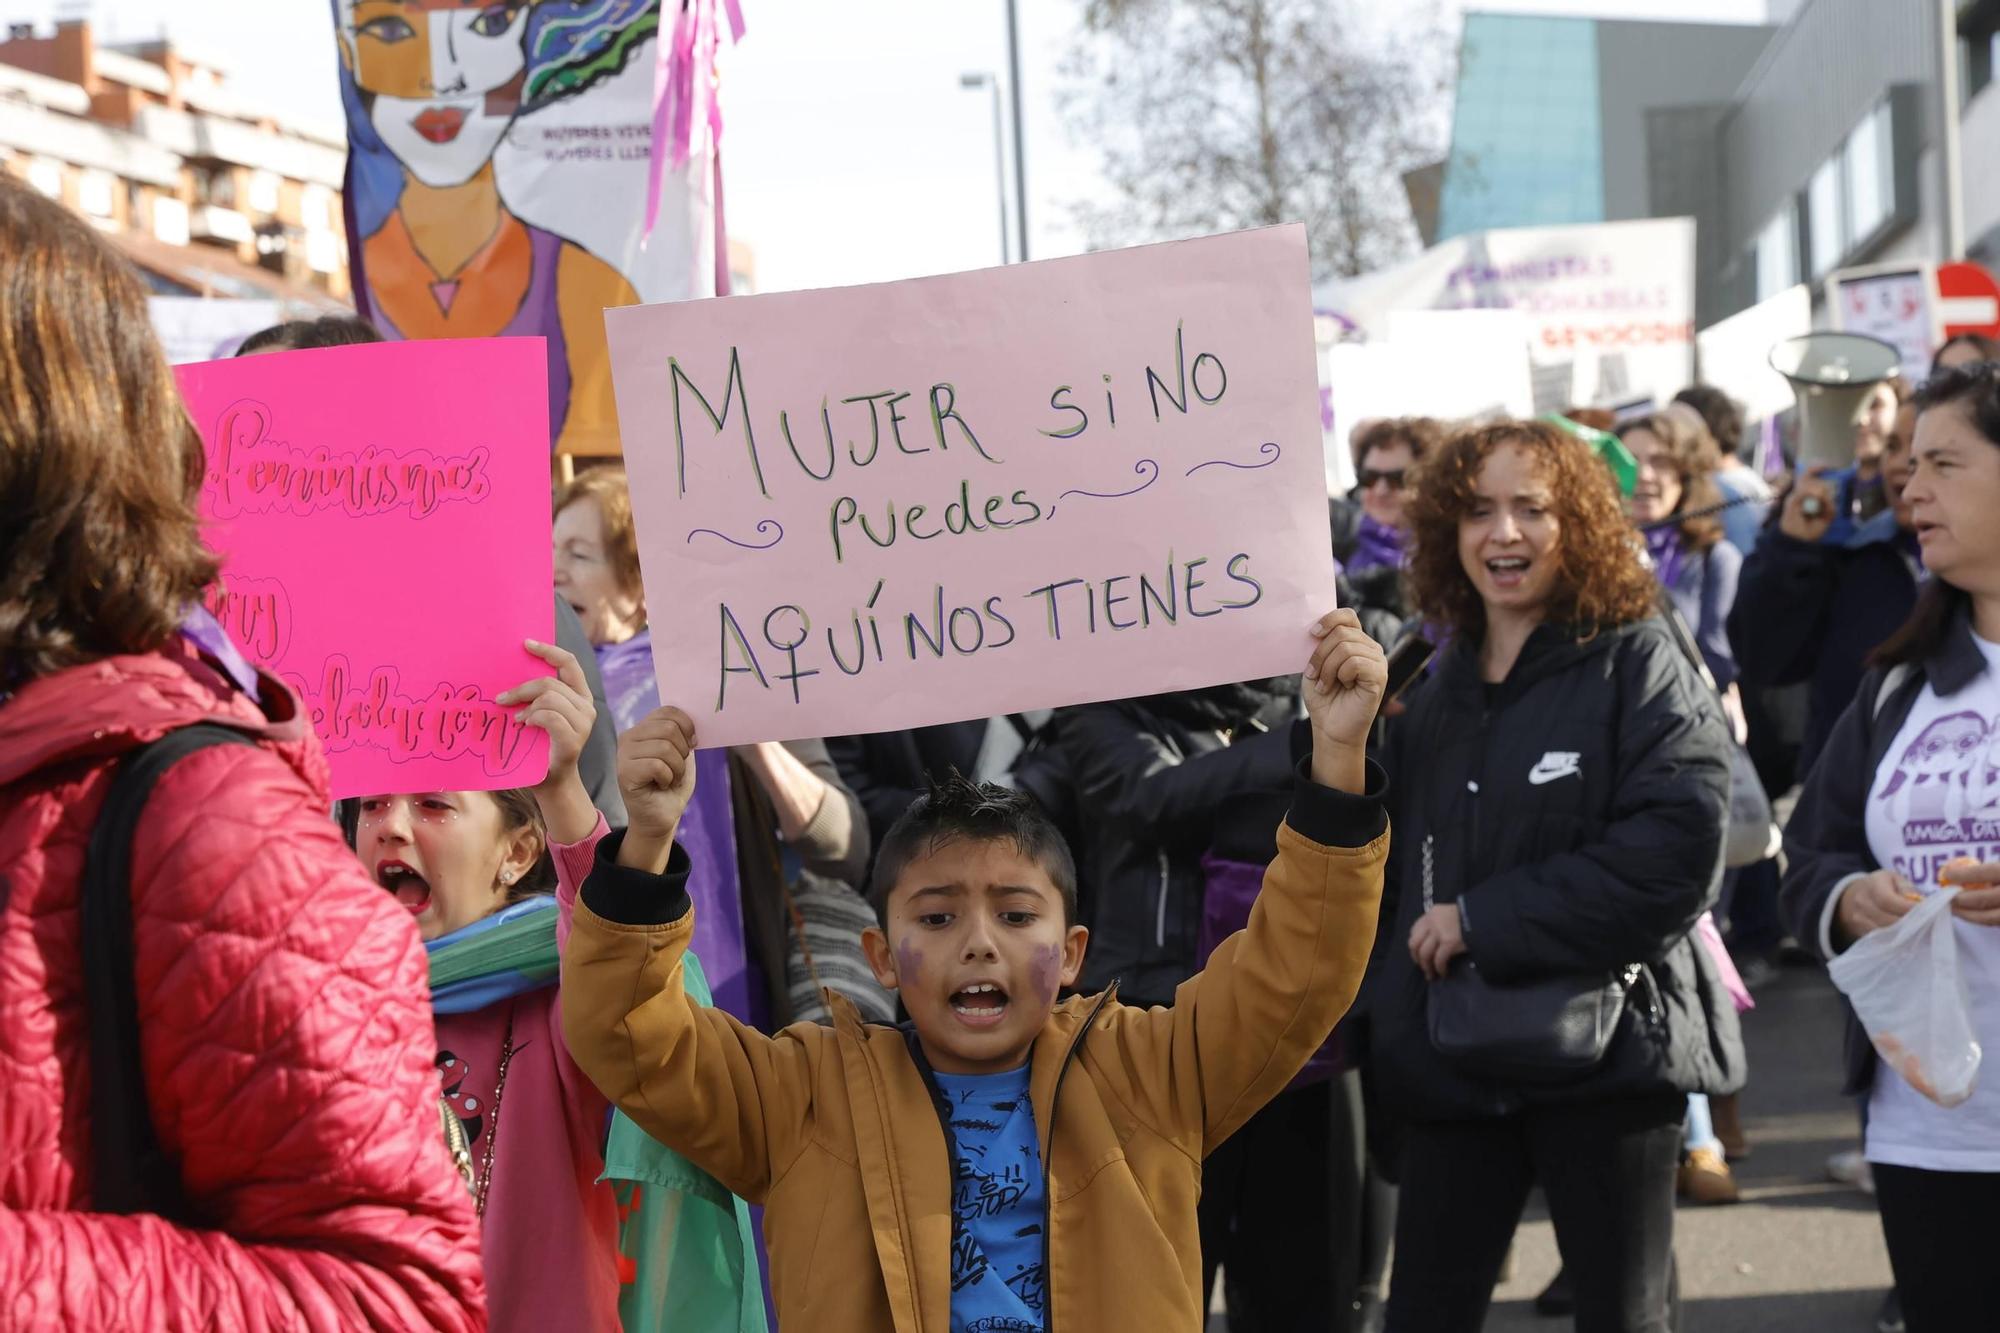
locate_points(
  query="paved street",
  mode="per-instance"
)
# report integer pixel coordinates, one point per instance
(1799, 1253)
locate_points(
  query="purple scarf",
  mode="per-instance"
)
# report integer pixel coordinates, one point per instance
(200, 628)
(1664, 546)
(1375, 545)
(706, 830)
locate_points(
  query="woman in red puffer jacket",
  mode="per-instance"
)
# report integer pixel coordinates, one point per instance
(284, 1014)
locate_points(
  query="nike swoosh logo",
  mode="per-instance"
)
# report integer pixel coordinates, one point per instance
(1538, 775)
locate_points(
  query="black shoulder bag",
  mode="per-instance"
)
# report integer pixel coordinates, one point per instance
(130, 1172)
(1551, 1030)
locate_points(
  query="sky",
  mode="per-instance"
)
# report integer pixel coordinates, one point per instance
(851, 152)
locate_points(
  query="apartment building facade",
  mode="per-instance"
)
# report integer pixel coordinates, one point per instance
(207, 193)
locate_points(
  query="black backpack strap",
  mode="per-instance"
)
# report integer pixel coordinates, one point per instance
(130, 1172)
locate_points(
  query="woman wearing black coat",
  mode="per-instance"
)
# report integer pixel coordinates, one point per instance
(1559, 792)
(1136, 785)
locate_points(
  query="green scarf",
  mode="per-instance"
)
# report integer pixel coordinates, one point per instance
(686, 1253)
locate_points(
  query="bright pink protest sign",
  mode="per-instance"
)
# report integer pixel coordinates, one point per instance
(890, 506)
(383, 517)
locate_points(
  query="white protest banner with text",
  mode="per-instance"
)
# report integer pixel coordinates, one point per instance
(1610, 305)
(1897, 303)
(880, 507)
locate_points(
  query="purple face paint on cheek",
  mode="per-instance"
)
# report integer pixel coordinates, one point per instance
(909, 963)
(1046, 970)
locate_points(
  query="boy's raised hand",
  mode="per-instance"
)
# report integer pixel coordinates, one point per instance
(656, 777)
(1343, 688)
(560, 705)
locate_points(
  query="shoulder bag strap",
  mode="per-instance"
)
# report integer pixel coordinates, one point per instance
(130, 1171)
(1709, 592)
(1684, 638)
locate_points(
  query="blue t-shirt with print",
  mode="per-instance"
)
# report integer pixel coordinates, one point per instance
(997, 1281)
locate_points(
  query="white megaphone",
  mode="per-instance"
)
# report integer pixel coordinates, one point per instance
(1832, 374)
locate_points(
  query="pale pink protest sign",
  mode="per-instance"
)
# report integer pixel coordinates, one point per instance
(879, 507)
(383, 516)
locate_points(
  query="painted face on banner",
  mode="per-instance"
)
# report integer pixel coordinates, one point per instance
(442, 78)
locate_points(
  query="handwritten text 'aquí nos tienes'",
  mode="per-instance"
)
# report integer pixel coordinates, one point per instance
(781, 648)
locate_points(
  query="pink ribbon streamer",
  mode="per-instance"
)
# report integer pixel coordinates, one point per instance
(685, 82)
(1710, 936)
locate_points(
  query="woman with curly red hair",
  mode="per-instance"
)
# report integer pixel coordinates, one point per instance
(1562, 785)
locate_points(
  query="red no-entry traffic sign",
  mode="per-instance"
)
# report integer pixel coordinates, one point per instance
(1969, 299)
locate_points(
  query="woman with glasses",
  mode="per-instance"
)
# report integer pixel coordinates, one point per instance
(1370, 539)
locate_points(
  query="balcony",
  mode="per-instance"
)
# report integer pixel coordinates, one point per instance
(224, 226)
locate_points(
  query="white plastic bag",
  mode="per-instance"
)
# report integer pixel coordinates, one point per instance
(1905, 984)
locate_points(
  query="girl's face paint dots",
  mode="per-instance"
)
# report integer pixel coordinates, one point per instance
(444, 854)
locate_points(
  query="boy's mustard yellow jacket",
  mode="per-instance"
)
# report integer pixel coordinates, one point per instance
(834, 1130)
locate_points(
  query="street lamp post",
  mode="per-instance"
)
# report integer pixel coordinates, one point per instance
(1020, 151)
(986, 79)
(1951, 174)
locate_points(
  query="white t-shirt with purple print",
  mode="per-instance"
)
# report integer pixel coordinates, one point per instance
(1936, 797)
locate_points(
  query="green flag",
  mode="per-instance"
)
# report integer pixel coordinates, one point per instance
(687, 1255)
(1624, 467)
(687, 1259)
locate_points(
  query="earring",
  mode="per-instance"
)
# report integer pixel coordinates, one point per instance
(507, 877)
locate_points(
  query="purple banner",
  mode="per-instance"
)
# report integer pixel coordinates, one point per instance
(707, 831)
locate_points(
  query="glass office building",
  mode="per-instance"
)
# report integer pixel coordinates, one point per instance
(1527, 145)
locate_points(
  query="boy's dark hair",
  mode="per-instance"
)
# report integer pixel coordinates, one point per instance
(302, 335)
(956, 807)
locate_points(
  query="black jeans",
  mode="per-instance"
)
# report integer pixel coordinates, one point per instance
(1608, 1171)
(1751, 906)
(1292, 1214)
(1939, 1226)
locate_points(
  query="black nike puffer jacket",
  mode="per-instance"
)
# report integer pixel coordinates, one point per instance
(1576, 813)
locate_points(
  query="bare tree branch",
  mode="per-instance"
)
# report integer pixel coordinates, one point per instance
(1209, 115)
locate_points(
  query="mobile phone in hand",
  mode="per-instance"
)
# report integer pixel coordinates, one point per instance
(1406, 663)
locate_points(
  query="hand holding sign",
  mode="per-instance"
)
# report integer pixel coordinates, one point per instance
(1343, 688)
(561, 706)
(656, 778)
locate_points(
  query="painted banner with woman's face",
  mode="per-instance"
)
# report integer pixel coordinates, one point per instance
(497, 176)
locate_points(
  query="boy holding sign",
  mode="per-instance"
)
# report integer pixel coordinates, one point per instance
(1003, 1156)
